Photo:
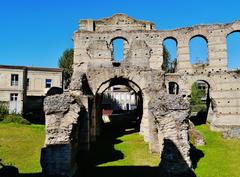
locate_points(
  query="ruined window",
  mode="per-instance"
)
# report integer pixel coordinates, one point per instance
(233, 50)
(173, 88)
(198, 49)
(169, 55)
(118, 49)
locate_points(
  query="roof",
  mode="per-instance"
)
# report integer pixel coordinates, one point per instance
(31, 68)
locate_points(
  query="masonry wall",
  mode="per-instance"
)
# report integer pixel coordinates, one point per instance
(93, 48)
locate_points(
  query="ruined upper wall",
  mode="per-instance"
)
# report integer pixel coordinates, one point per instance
(116, 22)
(144, 44)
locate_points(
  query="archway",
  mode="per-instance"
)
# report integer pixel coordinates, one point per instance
(169, 54)
(119, 110)
(233, 50)
(200, 102)
(198, 47)
(115, 97)
(120, 47)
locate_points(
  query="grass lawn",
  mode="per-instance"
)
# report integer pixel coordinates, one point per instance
(221, 156)
(20, 146)
(134, 151)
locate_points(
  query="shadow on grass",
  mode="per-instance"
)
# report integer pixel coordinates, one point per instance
(103, 151)
(195, 155)
(12, 171)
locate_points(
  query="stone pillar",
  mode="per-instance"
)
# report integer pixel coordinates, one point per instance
(183, 57)
(144, 126)
(217, 50)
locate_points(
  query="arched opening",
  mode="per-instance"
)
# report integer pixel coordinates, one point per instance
(173, 88)
(119, 49)
(119, 97)
(119, 110)
(169, 54)
(200, 102)
(233, 50)
(198, 47)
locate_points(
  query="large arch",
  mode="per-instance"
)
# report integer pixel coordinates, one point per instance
(198, 44)
(170, 51)
(233, 50)
(99, 96)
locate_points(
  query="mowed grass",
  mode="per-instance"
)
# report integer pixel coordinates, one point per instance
(135, 152)
(221, 156)
(20, 146)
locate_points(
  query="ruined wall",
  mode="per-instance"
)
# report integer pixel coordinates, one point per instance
(72, 119)
(93, 48)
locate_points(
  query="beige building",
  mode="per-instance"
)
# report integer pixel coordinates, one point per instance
(23, 88)
(120, 97)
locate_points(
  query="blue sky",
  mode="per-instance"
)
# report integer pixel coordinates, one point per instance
(35, 33)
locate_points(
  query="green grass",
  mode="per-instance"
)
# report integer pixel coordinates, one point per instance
(135, 152)
(20, 146)
(221, 156)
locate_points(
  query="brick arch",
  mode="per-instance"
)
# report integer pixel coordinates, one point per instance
(118, 35)
(211, 82)
(102, 76)
(232, 31)
(170, 37)
(205, 39)
(198, 35)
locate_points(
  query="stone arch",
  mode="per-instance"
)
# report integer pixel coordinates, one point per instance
(124, 48)
(201, 61)
(195, 78)
(96, 118)
(173, 88)
(171, 50)
(101, 75)
(203, 106)
(170, 37)
(233, 48)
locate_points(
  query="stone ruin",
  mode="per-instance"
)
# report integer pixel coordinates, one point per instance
(73, 117)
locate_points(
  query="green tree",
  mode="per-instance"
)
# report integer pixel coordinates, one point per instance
(66, 62)
(196, 98)
(167, 65)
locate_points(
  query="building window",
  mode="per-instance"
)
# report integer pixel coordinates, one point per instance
(48, 83)
(14, 80)
(13, 96)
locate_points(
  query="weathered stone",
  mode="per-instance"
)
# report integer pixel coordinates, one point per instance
(233, 133)
(196, 137)
(73, 119)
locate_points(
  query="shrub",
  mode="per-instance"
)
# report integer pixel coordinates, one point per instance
(15, 118)
(3, 108)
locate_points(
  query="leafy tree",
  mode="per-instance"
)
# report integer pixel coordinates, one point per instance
(196, 98)
(66, 62)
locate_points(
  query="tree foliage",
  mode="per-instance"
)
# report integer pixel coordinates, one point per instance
(167, 65)
(66, 62)
(196, 98)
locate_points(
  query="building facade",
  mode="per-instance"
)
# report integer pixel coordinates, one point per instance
(23, 88)
(120, 97)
